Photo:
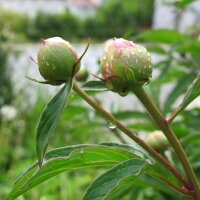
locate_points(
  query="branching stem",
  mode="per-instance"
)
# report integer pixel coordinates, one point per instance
(108, 116)
(163, 124)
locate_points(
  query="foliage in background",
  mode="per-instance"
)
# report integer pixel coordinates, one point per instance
(107, 21)
(6, 94)
(117, 19)
(13, 26)
(18, 136)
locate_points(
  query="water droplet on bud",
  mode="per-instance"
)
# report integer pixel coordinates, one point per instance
(111, 126)
(147, 83)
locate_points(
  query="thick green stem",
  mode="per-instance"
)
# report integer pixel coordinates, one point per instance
(129, 133)
(164, 126)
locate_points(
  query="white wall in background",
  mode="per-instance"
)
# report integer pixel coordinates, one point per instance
(31, 7)
(165, 16)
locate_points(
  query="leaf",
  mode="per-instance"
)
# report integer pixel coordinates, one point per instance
(129, 115)
(192, 93)
(162, 36)
(155, 48)
(69, 158)
(189, 140)
(130, 184)
(95, 86)
(49, 120)
(121, 175)
(195, 61)
(183, 3)
(105, 183)
(179, 88)
(191, 143)
(134, 148)
(122, 185)
(191, 46)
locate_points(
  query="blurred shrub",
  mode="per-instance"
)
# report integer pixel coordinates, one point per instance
(13, 26)
(17, 142)
(6, 94)
(49, 25)
(114, 18)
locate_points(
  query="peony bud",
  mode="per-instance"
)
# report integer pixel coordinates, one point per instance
(57, 60)
(82, 74)
(157, 141)
(125, 65)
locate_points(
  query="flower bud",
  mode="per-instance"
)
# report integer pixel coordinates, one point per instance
(82, 74)
(125, 65)
(157, 141)
(57, 60)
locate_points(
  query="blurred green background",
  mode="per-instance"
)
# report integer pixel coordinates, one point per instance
(177, 61)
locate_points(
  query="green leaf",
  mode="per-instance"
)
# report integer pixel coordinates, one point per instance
(192, 93)
(123, 174)
(191, 143)
(94, 86)
(191, 46)
(129, 115)
(122, 185)
(183, 3)
(134, 148)
(189, 140)
(162, 36)
(155, 48)
(49, 120)
(179, 88)
(143, 182)
(195, 61)
(105, 183)
(69, 158)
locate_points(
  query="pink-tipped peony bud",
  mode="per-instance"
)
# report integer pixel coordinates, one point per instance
(125, 65)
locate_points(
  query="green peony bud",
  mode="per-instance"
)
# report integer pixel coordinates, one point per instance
(157, 141)
(82, 74)
(125, 65)
(57, 60)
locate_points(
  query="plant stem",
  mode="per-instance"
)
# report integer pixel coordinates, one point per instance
(118, 135)
(172, 116)
(167, 130)
(129, 133)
